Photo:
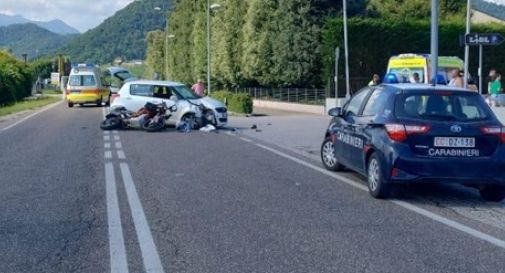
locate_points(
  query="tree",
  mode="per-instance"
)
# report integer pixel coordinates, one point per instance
(413, 9)
(155, 59)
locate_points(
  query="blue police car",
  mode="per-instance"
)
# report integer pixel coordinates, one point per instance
(411, 133)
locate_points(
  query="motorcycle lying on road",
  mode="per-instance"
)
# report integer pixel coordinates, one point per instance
(121, 118)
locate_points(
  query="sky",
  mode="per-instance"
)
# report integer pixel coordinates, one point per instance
(80, 14)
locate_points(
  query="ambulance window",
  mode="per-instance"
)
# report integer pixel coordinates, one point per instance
(375, 103)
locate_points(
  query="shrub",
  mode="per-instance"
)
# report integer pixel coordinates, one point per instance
(237, 102)
(16, 79)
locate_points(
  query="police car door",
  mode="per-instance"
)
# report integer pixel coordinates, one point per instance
(348, 135)
(364, 125)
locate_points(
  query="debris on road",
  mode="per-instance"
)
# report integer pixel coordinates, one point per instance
(208, 128)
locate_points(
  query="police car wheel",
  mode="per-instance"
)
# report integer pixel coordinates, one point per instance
(328, 157)
(492, 193)
(377, 186)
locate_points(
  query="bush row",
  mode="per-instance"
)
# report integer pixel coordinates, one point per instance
(236, 102)
(16, 79)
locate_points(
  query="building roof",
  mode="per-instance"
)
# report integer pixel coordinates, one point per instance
(490, 8)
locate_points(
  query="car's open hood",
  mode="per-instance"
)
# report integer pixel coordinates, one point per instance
(209, 102)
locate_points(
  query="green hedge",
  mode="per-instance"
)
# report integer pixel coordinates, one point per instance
(237, 102)
(16, 79)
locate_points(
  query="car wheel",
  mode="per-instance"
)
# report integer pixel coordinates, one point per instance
(99, 102)
(377, 185)
(70, 104)
(328, 157)
(191, 120)
(492, 193)
(107, 103)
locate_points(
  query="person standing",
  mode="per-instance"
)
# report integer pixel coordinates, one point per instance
(375, 80)
(415, 78)
(457, 79)
(494, 87)
(199, 88)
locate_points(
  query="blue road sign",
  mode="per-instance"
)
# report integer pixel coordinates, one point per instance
(485, 39)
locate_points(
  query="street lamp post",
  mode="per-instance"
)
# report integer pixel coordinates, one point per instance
(467, 48)
(209, 57)
(346, 52)
(434, 42)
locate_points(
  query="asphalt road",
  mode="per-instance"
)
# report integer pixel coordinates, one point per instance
(76, 199)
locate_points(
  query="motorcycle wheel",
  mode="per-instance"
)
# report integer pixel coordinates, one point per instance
(154, 126)
(110, 124)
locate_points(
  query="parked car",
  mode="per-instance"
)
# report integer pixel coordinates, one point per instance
(86, 85)
(407, 133)
(190, 108)
(116, 76)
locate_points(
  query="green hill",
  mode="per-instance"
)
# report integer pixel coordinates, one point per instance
(30, 39)
(122, 35)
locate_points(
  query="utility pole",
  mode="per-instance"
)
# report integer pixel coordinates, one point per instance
(434, 42)
(337, 57)
(346, 52)
(208, 49)
(467, 48)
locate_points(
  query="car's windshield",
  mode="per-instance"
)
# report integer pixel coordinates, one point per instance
(82, 80)
(442, 106)
(185, 92)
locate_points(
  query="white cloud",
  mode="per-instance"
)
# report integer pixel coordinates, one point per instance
(81, 14)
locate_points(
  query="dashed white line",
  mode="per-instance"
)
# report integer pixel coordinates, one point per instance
(106, 132)
(150, 256)
(121, 155)
(106, 138)
(119, 145)
(435, 217)
(118, 260)
(107, 155)
(246, 139)
(106, 145)
(116, 137)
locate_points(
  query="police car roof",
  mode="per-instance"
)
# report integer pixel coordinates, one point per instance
(406, 87)
(153, 82)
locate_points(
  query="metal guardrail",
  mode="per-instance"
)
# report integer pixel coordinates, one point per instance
(292, 95)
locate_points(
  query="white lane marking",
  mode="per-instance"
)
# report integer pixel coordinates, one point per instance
(104, 113)
(108, 154)
(106, 138)
(31, 116)
(116, 137)
(118, 260)
(115, 132)
(230, 134)
(119, 145)
(246, 139)
(106, 132)
(106, 145)
(433, 216)
(150, 256)
(121, 155)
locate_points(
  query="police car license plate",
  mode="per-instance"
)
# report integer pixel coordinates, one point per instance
(455, 142)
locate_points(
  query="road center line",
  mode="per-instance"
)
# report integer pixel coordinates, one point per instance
(119, 145)
(118, 260)
(121, 155)
(106, 138)
(435, 217)
(116, 137)
(150, 256)
(106, 145)
(108, 154)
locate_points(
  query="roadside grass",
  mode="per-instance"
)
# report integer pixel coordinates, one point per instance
(27, 105)
(51, 92)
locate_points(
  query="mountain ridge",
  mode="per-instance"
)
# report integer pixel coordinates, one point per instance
(56, 25)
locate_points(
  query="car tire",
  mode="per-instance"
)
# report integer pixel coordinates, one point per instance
(70, 104)
(328, 157)
(99, 102)
(377, 184)
(190, 119)
(107, 103)
(492, 193)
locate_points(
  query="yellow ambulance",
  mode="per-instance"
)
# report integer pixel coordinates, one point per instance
(405, 65)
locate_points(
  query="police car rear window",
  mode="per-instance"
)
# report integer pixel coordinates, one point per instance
(441, 106)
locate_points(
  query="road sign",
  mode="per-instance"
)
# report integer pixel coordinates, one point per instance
(484, 39)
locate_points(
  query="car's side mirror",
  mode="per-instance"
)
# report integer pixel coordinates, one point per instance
(174, 98)
(335, 112)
